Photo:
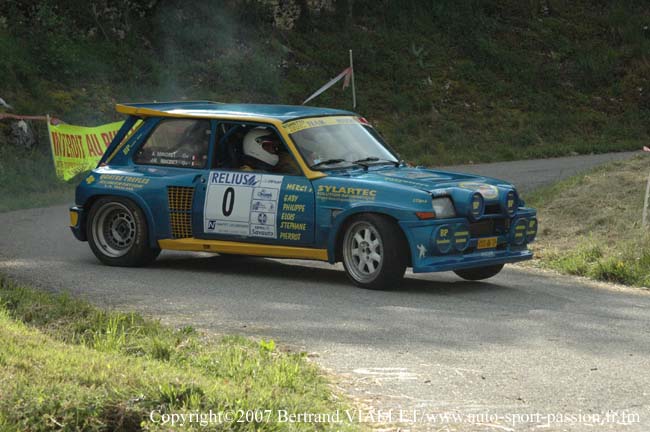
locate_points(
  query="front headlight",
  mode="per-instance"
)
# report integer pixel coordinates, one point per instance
(443, 208)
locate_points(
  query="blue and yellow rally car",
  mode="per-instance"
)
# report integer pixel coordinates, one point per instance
(290, 182)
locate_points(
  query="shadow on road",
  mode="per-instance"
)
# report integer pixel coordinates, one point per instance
(279, 271)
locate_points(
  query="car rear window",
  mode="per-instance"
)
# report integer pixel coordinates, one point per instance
(177, 142)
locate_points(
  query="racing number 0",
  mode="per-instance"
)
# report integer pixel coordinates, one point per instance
(228, 201)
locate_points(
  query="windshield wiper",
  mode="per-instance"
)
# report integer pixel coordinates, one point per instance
(368, 159)
(327, 162)
(375, 159)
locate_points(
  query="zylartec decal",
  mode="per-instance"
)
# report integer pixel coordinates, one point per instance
(342, 193)
(488, 191)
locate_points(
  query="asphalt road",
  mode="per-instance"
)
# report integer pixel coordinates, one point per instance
(513, 351)
(530, 174)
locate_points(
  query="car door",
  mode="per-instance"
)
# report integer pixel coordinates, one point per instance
(173, 160)
(255, 206)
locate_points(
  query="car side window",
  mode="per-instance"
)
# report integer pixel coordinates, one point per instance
(253, 147)
(178, 143)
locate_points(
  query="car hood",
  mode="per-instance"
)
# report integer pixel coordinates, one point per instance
(429, 180)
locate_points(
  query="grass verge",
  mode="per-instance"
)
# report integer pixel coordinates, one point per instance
(66, 365)
(590, 224)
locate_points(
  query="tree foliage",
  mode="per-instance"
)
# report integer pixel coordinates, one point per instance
(444, 80)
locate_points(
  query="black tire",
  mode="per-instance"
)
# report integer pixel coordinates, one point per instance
(381, 254)
(118, 234)
(479, 273)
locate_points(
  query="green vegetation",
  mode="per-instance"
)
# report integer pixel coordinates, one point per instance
(27, 180)
(590, 225)
(446, 81)
(66, 365)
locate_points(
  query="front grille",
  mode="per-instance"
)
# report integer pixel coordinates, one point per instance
(482, 228)
(492, 209)
(489, 227)
(180, 210)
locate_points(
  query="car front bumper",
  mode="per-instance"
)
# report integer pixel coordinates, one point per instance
(474, 259)
(500, 246)
(78, 222)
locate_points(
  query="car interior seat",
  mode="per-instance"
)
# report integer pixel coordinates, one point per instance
(230, 148)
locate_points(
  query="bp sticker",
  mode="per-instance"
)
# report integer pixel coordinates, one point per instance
(242, 203)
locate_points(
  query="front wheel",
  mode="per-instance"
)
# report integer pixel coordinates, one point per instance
(117, 233)
(374, 252)
(479, 273)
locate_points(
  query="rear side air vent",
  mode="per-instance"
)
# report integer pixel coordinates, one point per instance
(180, 210)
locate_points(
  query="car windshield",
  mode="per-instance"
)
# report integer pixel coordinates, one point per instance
(337, 142)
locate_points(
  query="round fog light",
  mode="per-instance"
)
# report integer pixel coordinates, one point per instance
(519, 231)
(531, 231)
(461, 237)
(442, 238)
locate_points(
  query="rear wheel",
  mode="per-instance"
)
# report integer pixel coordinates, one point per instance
(479, 273)
(118, 235)
(374, 252)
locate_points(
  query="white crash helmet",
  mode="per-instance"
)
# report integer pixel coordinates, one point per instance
(253, 146)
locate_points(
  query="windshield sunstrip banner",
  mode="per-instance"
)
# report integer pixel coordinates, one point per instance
(308, 123)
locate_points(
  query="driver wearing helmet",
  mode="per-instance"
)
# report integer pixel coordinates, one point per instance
(263, 151)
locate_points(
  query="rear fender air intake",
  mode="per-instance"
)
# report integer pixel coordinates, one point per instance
(179, 200)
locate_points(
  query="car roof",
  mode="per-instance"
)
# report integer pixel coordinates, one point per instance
(214, 109)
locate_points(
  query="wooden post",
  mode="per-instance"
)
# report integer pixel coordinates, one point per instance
(49, 139)
(645, 204)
